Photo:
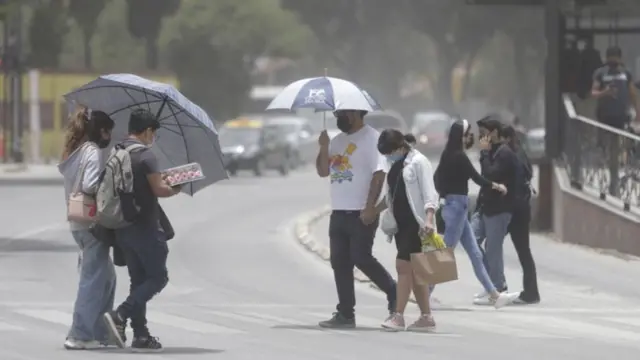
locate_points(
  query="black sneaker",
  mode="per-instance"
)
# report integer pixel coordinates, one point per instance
(338, 321)
(146, 344)
(116, 326)
(527, 300)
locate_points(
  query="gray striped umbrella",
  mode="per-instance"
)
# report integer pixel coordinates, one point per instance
(186, 132)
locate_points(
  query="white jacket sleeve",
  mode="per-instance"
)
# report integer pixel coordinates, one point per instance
(91, 171)
(428, 188)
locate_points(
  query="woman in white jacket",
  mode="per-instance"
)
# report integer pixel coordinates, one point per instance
(411, 201)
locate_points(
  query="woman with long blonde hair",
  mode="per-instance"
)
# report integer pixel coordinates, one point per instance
(87, 132)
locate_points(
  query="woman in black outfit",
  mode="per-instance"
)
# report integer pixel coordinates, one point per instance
(521, 218)
(452, 182)
(411, 201)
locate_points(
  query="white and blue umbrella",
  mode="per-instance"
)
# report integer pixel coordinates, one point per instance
(324, 94)
(186, 132)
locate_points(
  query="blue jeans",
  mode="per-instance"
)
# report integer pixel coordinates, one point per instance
(96, 289)
(458, 230)
(492, 230)
(145, 251)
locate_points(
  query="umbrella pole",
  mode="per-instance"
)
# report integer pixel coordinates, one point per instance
(324, 113)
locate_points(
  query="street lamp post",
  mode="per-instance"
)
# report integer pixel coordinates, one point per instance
(13, 72)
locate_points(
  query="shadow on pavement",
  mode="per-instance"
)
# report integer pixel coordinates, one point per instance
(318, 328)
(175, 350)
(8, 245)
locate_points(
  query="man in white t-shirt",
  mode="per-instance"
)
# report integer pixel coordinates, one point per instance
(357, 172)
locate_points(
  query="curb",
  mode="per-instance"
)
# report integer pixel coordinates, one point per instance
(302, 232)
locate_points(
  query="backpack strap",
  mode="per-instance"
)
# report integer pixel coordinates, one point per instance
(133, 147)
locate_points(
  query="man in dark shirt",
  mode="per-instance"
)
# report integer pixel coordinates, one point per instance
(144, 242)
(615, 92)
(498, 164)
(521, 218)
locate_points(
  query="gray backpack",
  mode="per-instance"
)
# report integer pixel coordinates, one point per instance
(115, 200)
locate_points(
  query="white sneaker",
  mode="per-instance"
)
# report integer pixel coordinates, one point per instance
(483, 301)
(73, 344)
(481, 295)
(502, 300)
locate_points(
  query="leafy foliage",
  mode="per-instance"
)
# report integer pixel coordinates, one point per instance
(144, 19)
(229, 36)
(85, 14)
(47, 29)
(212, 46)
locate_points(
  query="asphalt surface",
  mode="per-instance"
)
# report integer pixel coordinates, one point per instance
(242, 288)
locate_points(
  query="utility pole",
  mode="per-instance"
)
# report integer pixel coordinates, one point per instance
(14, 69)
(6, 114)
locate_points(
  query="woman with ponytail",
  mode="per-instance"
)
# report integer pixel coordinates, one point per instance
(452, 182)
(87, 132)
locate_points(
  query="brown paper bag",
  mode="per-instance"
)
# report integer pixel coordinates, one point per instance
(435, 267)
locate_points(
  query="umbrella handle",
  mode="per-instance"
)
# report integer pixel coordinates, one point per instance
(324, 113)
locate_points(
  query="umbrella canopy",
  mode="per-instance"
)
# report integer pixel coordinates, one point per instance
(186, 132)
(324, 94)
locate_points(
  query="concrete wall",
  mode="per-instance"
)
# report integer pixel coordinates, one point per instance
(581, 218)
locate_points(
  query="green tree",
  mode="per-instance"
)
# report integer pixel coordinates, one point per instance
(144, 18)
(360, 39)
(525, 28)
(85, 14)
(458, 31)
(345, 30)
(47, 29)
(212, 46)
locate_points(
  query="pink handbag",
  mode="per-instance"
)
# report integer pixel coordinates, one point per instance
(81, 207)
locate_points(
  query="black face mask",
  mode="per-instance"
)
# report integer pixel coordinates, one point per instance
(344, 124)
(103, 143)
(612, 63)
(469, 142)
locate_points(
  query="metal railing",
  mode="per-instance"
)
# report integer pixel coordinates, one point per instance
(601, 159)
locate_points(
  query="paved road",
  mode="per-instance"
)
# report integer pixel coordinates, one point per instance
(241, 288)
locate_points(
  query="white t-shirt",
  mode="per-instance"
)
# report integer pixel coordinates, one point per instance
(353, 159)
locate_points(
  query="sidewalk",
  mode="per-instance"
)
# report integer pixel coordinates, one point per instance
(569, 276)
(29, 175)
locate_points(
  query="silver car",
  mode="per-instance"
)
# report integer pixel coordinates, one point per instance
(534, 144)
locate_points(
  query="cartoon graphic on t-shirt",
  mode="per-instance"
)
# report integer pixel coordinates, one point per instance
(340, 166)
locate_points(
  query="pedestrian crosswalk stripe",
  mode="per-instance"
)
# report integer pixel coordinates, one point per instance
(511, 324)
(304, 327)
(260, 321)
(189, 325)
(238, 317)
(4, 326)
(491, 324)
(624, 321)
(576, 328)
(52, 316)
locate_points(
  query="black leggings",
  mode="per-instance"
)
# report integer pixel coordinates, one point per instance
(519, 231)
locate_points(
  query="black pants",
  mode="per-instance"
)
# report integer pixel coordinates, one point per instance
(519, 231)
(351, 244)
(611, 147)
(145, 251)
